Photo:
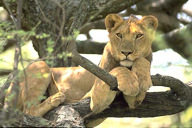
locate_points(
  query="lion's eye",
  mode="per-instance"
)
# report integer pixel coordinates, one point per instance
(119, 35)
(138, 36)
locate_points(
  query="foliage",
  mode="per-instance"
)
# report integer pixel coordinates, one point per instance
(8, 32)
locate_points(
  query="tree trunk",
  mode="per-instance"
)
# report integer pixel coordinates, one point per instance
(61, 19)
(57, 19)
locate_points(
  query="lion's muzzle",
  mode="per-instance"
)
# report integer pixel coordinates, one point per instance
(126, 63)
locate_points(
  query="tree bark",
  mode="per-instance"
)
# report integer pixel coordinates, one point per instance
(54, 15)
(155, 104)
(180, 41)
(51, 16)
(60, 19)
(90, 47)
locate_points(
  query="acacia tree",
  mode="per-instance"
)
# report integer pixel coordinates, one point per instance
(53, 25)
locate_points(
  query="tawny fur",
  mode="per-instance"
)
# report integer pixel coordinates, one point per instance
(127, 56)
(71, 84)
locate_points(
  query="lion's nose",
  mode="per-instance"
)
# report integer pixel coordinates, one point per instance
(126, 53)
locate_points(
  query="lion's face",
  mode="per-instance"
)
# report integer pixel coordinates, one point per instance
(130, 39)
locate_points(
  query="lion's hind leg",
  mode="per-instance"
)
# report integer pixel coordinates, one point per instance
(38, 77)
(38, 80)
(42, 108)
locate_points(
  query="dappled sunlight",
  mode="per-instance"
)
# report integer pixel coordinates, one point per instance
(99, 35)
(167, 62)
(81, 37)
(7, 57)
(165, 65)
(55, 32)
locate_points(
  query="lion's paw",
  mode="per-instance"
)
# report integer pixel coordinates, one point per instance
(144, 81)
(57, 99)
(134, 101)
(141, 68)
(140, 97)
(127, 81)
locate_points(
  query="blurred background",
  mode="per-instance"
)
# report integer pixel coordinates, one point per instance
(171, 56)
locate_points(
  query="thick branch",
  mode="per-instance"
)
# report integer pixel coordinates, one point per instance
(180, 41)
(101, 8)
(97, 71)
(98, 9)
(22, 120)
(171, 7)
(188, 12)
(90, 47)
(78, 59)
(92, 25)
(155, 103)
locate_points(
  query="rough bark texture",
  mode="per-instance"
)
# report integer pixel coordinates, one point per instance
(180, 41)
(155, 104)
(61, 18)
(53, 15)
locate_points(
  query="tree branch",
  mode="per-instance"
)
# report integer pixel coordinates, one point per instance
(15, 88)
(78, 59)
(23, 120)
(180, 41)
(103, 8)
(155, 104)
(17, 23)
(171, 7)
(90, 47)
(97, 71)
(188, 12)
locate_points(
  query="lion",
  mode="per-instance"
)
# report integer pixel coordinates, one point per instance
(46, 88)
(127, 56)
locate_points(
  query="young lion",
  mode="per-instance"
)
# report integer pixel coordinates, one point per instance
(127, 56)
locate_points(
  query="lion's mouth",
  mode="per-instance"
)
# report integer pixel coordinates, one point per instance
(126, 63)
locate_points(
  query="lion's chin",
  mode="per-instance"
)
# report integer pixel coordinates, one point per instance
(126, 63)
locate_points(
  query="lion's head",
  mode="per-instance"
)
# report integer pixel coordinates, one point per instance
(130, 39)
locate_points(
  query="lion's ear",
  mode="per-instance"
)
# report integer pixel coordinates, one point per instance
(150, 21)
(112, 21)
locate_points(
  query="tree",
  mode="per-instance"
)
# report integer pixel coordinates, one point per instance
(53, 26)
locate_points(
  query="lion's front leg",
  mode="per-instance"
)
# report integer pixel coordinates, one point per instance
(127, 81)
(127, 84)
(134, 101)
(101, 96)
(141, 68)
